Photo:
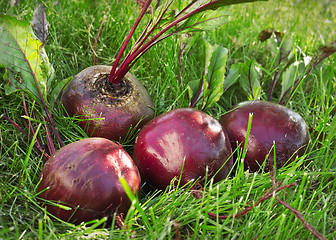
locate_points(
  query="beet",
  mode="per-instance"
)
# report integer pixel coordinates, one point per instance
(91, 96)
(182, 135)
(84, 176)
(271, 122)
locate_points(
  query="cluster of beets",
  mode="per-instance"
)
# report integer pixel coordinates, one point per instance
(81, 181)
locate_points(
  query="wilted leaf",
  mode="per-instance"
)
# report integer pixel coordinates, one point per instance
(267, 33)
(24, 55)
(185, 42)
(323, 52)
(40, 24)
(13, 3)
(281, 45)
(141, 3)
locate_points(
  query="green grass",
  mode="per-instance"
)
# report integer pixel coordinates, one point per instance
(156, 215)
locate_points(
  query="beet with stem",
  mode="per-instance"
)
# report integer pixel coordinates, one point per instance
(272, 124)
(82, 97)
(114, 108)
(185, 138)
(84, 177)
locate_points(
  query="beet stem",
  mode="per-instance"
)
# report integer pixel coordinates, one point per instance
(59, 96)
(37, 144)
(295, 212)
(27, 114)
(194, 101)
(298, 215)
(96, 40)
(246, 210)
(119, 222)
(273, 85)
(117, 75)
(44, 106)
(50, 142)
(112, 77)
(250, 80)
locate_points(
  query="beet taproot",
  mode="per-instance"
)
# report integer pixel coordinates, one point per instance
(272, 124)
(182, 136)
(107, 110)
(84, 177)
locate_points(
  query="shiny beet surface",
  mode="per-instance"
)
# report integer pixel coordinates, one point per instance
(91, 96)
(182, 134)
(271, 122)
(84, 176)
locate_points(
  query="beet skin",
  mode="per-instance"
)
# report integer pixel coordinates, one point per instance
(84, 176)
(182, 135)
(107, 110)
(271, 123)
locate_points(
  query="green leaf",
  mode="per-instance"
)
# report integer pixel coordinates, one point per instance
(293, 72)
(165, 13)
(8, 77)
(205, 21)
(210, 86)
(232, 77)
(214, 79)
(54, 95)
(205, 5)
(208, 55)
(250, 74)
(193, 87)
(24, 56)
(202, 14)
(196, 87)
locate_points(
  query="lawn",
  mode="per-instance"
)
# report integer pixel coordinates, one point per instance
(306, 206)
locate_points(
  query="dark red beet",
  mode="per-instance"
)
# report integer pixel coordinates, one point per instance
(84, 176)
(91, 96)
(271, 122)
(182, 134)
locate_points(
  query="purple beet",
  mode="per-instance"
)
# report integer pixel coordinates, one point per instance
(84, 176)
(182, 135)
(120, 106)
(271, 123)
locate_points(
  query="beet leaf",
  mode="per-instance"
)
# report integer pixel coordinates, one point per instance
(40, 24)
(26, 61)
(232, 77)
(22, 54)
(250, 74)
(295, 70)
(210, 87)
(322, 53)
(213, 84)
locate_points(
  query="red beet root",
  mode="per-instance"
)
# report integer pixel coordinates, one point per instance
(91, 96)
(84, 176)
(182, 135)
(271, 123)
